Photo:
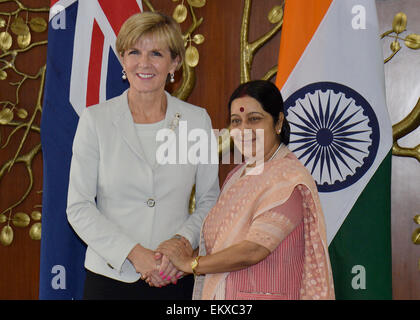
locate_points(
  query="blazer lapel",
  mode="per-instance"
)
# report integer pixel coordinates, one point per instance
(125, 125)
(172, 118)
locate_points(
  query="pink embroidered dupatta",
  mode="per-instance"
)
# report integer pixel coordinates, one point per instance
(244, 199)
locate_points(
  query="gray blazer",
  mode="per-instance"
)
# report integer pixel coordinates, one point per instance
(116, 199)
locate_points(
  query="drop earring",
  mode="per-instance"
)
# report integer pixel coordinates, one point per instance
(124, 75)
(172, 79)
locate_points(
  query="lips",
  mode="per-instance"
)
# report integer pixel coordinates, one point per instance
(145, 75)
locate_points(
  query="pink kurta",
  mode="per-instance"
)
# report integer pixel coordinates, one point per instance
(280, 210)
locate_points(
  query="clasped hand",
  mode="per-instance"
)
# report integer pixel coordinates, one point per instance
(172, 259)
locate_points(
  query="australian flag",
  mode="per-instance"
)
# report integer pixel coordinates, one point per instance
(82, 70)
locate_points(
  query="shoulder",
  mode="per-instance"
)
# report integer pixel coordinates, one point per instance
(106, 110)
(187, 108)
(289, 168)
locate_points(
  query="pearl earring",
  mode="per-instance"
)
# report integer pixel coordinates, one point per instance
(172, 80)
(124, 75)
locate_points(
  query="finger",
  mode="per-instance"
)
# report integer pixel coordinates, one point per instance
(163, 265)
(164, 272)
(179, 274)
(156, 280)
(172, 275)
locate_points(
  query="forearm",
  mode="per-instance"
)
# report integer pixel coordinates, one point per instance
(236, 257)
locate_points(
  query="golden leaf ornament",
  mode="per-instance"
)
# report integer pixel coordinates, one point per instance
(198, 39)
(3, 75)
(3, 218)
(192, 56)
(395, 46)
(6, 115)
(22, 113)
(416, 236)
(417, 218)
(197, 3)
(36, 215)
(38, 24)
(35, 231)
(5, 40)
(276, 14)
(412, 41)
(6, 235)
(23, 40)
(2, 23)
(19, 27)
(400, 22)
(21, 220)
(180, 13)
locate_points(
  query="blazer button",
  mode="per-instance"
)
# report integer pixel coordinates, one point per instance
(151, 203)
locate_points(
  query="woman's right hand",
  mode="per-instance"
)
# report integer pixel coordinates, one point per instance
(145, 263)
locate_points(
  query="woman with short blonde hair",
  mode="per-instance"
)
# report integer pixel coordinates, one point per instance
(123, 202)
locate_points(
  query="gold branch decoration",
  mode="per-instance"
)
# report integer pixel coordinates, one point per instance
(249, 49)
(412, 120)
(16, 39)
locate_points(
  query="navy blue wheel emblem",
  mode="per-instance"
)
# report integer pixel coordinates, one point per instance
(334, 132)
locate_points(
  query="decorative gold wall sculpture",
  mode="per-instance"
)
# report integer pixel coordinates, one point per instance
(412, 120)
(248, 50)
(16, 30)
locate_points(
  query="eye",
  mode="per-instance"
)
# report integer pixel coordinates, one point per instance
(133, 51)
(254, 119)
(235, 121)
(156, 53)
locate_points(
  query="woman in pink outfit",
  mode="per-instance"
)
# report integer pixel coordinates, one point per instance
(265, 238)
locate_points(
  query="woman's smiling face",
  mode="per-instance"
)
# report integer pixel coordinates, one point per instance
(247, 116)
(147, 64)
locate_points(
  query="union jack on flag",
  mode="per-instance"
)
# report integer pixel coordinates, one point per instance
(83, 69)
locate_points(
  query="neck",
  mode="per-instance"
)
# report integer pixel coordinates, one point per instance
(267, 156)
(271, 153)
(147, 107)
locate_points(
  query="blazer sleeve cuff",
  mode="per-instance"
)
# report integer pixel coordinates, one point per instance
(118, 254)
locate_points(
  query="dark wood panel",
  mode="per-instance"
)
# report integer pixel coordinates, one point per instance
(19, 276)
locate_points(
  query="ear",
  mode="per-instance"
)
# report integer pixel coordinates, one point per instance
(279, 124)
(175, 64)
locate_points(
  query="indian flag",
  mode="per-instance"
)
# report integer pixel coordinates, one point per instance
(331, 76)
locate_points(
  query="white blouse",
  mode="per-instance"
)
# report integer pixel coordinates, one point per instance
(147, 136)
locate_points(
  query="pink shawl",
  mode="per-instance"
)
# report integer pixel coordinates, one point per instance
(258, 194)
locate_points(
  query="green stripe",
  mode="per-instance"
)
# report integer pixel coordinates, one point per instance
(364, 239)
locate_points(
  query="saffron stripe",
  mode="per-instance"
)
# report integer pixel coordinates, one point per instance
(295, 40)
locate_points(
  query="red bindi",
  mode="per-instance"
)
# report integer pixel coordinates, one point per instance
(241, 109)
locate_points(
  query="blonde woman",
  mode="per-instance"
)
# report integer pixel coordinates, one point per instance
(122, 202)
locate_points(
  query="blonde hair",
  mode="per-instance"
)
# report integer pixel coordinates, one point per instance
(155, 24)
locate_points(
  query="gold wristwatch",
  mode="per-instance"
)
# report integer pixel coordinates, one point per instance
(194, 264)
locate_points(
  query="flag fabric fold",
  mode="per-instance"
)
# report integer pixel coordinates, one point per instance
(82, 69)
(331, 76)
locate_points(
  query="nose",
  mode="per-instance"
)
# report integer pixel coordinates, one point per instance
(242, 132)
(143, 60)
